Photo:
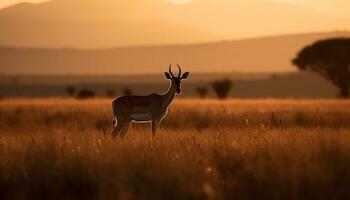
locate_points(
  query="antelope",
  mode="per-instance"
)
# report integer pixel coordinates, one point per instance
(145, 109)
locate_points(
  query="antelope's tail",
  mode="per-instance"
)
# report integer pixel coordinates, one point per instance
(114, 113)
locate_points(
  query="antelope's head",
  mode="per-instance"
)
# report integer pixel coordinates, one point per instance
(176, 80)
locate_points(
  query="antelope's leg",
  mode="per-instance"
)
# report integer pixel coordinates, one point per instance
(154, 125)
(125, 129)
(119, 127)
(116, 130)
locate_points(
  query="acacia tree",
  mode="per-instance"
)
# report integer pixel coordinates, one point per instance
(202, 91)
(331, 59)
(222, 88)
(110, 93)
(127, 92)
(70, 90)
(85, 94)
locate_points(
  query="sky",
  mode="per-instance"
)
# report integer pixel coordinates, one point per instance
(202, 21)
(339, 8)
(317, 4)
(335, 7)
(6, 3)
(94, 24)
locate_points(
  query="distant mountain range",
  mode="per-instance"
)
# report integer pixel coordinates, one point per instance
(116, 23)
(268, 54)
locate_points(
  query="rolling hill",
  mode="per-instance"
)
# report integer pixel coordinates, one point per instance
(267, 54)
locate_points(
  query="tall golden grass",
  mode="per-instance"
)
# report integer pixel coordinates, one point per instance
(234, 149)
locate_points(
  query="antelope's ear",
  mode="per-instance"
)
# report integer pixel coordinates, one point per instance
(167, 75)
(185, 75)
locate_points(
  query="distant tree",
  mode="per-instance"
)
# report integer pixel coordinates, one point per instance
(15, 79)
(127, 92)
(70, 90)
(85, 94)
(202, 91)
(110, 93)
(273, 76)
(331, 59)
(222, 88)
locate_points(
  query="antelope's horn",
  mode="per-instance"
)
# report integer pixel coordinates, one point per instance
(171, 73)
(179, 70)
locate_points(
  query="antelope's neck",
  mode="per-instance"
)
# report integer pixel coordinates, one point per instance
(169, 96)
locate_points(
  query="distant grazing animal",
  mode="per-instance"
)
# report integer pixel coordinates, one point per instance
(141, 109)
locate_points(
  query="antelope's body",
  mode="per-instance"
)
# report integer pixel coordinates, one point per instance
(140, 109)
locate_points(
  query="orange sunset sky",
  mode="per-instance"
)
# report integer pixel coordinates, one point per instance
(338, 7)
(208, 35)
(249, 18)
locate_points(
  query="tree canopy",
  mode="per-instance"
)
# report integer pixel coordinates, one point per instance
(331, 59)
(222, 87)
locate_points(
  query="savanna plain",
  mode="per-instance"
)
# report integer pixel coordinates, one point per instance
(204, 149)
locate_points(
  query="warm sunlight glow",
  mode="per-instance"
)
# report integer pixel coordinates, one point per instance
(180, 1)
(6, 3)
(109, 23)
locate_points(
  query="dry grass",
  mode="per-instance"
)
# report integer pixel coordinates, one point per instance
(268, 149)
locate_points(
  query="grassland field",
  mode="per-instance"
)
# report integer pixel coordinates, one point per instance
(204, 149)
